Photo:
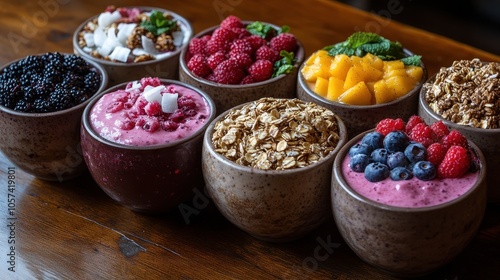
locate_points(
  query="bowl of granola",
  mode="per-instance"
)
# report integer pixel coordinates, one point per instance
(364, 79)
(466, 97)
(241, 61)
(267, 166)
(130, 42)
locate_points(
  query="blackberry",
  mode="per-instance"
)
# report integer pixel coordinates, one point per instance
(92, 81)
(22, 106)
(42, 106)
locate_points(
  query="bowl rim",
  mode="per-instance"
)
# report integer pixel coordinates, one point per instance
(303, 84)
(425, 106)
(338, 178)
(177, 16)
(208, 145)
(87, 126)
(102, 87)
(299, 55)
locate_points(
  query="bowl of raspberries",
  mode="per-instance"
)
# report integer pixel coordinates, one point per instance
(411, 189)
(42, 98)
(242, 61)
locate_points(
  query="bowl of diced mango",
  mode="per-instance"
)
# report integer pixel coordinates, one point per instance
(364, 79)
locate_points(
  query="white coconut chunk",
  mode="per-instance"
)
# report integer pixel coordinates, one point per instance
(89, 39)
(124, 31)
(135, 85)
(138, 51)
(99, 37)
(112, 35)
(120, 54)
(107, 18)
(153, 94)
(178, 38)
(148, 45)
(107, 47)
(169, 102)
(87, 49)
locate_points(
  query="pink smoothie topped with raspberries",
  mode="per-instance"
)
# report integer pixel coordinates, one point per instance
(411, 164)
(149, 112)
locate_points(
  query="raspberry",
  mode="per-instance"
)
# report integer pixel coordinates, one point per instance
(284, 41)
(169, 125)
(150, 81)
(240, 46)
(153, 109)
(261, 70)
(388, 125)
(114, 107)
(215, 59)
(435, 153)
(197, 46)
(243, 60)
(220, 40)
(454, 138)
(241, 32)
(228, 73)
(151, 125)
(440, 129)
(412, 121)
(186, 102)
(265, 52)
(455, 164)
(423, 134)
(231, 22)
(177, 116)
(127, 124)
(247, 80)
(256, 41)
(198, 65)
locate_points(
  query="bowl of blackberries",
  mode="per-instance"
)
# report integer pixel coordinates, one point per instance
(240, 61)
(42, 98)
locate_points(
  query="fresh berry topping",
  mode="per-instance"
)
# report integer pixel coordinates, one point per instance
(360, 148)
(247, 80)
(197, 46)
(388, 125)
(241, 32)
(412, 122)
(127, 124)
(375, 172)
(395, 141)
(379, 155)
(374, 140)
(215, 59)
(422, 133)
(397, 159)
(198, 65)
(186, 102)
(455, 164)
(261, 70)
(240, 46)
(454, 138)
(440, 129)
(436, 153)
(169, 125)
(359, 162)
(424, 170)
(231, 22)
(415, 152)
(243, 60)
(256, 41)
(153, 109)
(115, 107)
(401, 173)
(265, 52)
(228, 73)
(284, 41)
(151, 125)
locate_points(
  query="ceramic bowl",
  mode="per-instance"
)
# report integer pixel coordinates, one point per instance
(166, 67)
(46, 145)
(227, 96)
(485, 139)
(149, 179)
(271, 205)
(361, 118)
(404, 241)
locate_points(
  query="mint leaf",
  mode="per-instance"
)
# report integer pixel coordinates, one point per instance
(158, 24)
(284, 29)
(285, 64)
(360, 38)
(414, 60)
(260, 29)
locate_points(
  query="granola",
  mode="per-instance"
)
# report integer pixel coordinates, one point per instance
(467, 93)
(276, 134)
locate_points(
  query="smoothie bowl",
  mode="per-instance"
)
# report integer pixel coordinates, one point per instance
(130, 42)
(142, 142)
(267, 166)
(42, 98)
(466, 97)
(241, 61)
(405, 204)
(364, 79)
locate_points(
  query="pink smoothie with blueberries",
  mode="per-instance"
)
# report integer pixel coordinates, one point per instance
(411, 164)
(149, 112)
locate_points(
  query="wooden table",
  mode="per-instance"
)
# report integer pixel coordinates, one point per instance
(72, 230)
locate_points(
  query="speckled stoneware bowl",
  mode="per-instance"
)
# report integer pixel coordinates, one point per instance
(149, 179)
(228, 96)
(167, 67)
(271, 205)
(406, 242)
(486, 139)
(361, 118)
(46, 145)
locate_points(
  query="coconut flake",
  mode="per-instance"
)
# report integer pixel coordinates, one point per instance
(99, 37)
(178, 38)
(138, 51)
(108, 46)
(89, 39)
(148, 45)
(135, 85)
(107, 18)
(152, 94)
(169, 102)
(124, 31)
(120, 54)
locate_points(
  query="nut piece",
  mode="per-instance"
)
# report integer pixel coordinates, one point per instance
(276, 134)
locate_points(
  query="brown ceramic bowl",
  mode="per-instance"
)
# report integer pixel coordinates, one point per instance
(271, 205)
(486, 139)
(361, 118)
(228, 96)
(150, 179)
(404, 241)
(46, 145)
(166, 67)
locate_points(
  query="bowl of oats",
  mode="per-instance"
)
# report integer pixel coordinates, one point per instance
(466, 96)
(267, 166)
(131, 42)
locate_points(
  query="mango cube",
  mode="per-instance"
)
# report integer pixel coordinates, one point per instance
(335, 88)
(357, 95)
(321, 86)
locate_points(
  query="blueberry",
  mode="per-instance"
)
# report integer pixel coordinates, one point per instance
(401, 173)
(395, 141)
(374, 140)
(360, 149)
(379, 155)
(376, 171)
(424, 170)
(359, 162)
(397, 159)
(415, 152)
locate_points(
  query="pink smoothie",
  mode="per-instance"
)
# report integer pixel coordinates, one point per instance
(412, 193)
(123, 116)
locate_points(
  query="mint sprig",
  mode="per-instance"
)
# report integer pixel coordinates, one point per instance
(260, 29)
(285, 64)
(158, 24)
